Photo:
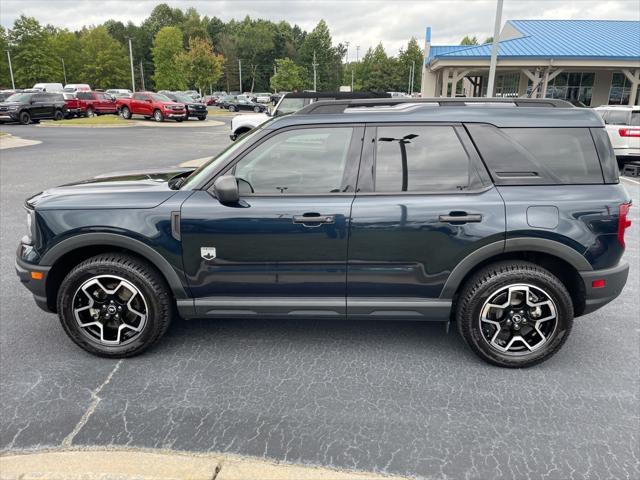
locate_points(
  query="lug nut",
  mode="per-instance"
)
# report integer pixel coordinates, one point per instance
(119, 309)
(516, 327)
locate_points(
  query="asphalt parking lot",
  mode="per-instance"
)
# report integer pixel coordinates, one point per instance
(404, 398)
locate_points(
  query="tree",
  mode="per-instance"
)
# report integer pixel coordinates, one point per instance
(254, 41)
(5, 77)
(105, 61)
(30, 55)
(469, 40)
(407, 59)
(488, 40)
(64, 44)
(327, 58)
(203, 67)
(166, 51)
(377, 71)
(163, 16)
(289, 77)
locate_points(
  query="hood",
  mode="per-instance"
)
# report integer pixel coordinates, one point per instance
(136, 189)
(10, 104)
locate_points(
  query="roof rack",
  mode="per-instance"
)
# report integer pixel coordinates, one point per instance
(405, 104)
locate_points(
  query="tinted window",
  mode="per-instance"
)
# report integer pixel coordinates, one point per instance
(140, 96)
(420, 159)
(85, 95)
(635, 119)
(310, 160)
(544, 156)
(55, 97)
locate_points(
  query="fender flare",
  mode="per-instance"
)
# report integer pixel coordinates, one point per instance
(528, 244)
(174, 279)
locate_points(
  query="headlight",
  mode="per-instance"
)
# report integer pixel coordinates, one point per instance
(13, 107)
(31, 227)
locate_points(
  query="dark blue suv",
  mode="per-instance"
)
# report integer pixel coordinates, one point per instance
(506, 216)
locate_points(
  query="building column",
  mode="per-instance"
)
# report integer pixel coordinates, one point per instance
(429, 81)
(535, 78)
(601, 88)
(445, 82)
(634, 78)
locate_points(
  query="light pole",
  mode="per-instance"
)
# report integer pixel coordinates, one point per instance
(494, 51)
(346, 55)
(133, 78)
(13, 84)
(64, 71)
(142, 75)
(357, 53)
(240, 74)
(314, 71)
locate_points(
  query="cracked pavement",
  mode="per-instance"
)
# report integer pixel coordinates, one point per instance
(400, 398)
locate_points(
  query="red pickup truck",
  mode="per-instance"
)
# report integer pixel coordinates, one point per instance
(151, 105)
(96, 103)
(72, 104)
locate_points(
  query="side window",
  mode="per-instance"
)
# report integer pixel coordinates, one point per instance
(538, 156)
(39, 97)
(420, 158)
(84, 95)
(618, 117)
(303, 161)
(139, 96)
(635, 119)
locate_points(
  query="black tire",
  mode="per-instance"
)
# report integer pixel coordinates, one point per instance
(232, 108)
(257, 109)
(69, 116)
(90, 112)
(24, 118)
(158, 116)
(59, 115)
(179, 120)
(202, 118)
(141, 275)
(125, 113)
(489, 281)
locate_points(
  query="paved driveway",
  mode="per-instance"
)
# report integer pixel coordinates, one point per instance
(392, 397)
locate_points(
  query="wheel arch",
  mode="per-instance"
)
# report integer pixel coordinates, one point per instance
(561, 260)
(64, 256)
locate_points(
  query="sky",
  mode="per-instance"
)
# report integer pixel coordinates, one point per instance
(359, 22)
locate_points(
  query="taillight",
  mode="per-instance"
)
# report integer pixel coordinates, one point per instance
(623, 221)
(629, 132)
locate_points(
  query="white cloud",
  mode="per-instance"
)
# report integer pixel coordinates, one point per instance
(360, 22)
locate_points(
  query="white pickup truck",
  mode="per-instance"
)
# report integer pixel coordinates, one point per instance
(291, 103)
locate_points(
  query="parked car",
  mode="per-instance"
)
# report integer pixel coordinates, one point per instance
(242, 102)
(210, 100)
(193, 94)
(290, 103)
(623, 126)
(383, 212)
(27, 107)
(194, 109)
(77, 87)
(49, 87)
(96, 103)
(151, 105)
(72, 104)
(223, 102)
(261, 97)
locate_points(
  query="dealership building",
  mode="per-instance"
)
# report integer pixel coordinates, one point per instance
(596, 62)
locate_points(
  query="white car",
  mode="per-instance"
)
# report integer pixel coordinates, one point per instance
(77, 87)
(49, 87)
(243, 123)
(623, 127)
(262, 97)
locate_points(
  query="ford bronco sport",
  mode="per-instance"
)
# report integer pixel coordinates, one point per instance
(504, 215)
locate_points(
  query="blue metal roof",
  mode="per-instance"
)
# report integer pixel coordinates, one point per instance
(594, 39)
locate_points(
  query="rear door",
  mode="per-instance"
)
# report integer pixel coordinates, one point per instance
(424, 202)
(39, 107)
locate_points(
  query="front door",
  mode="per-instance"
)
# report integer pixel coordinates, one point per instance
(41, 106)
(282, 250)
(424, 202)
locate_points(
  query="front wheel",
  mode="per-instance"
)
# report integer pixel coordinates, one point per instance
(202, 118)
(514, 314)
(25, 118)
(59, 115)
(114, 305)
(232, 108)
(257, 109)
(157, 116)
(125, 113)
(90, 112)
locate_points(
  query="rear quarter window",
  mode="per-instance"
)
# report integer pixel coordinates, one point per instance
(617, 117)
(538, 156)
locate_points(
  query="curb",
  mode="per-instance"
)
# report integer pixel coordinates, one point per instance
(11, 141)
(140, 464)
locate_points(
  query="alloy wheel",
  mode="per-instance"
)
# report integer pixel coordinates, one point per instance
(110, 310)
(518, 319)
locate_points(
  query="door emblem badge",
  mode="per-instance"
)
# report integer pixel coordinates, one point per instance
(208, 253)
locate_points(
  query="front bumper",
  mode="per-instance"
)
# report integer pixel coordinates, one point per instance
(9, 116)
(173, 114)
(614, 278)
(38, 288)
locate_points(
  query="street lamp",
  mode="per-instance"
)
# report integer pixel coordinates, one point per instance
(133, 78)
(64, 71)
(13, 84)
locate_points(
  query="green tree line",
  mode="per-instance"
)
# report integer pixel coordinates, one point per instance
(179, 49)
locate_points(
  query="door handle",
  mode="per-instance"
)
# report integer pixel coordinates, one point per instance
(460, 218)
(313, 219)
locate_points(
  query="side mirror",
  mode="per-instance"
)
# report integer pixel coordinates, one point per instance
(226, 189)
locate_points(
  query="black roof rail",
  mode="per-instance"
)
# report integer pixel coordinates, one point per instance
(339, 106)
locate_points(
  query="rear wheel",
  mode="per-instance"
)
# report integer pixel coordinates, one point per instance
(157, 116)
(90, 112)
(232, 108)
(59, 115)
(125, 113)
(257, 109)
(514, 314)
(114, 305)
(25, 118)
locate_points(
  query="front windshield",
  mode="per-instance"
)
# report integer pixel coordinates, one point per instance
(20, 97)
(182, 98)
(204, 172)
(160, 98)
